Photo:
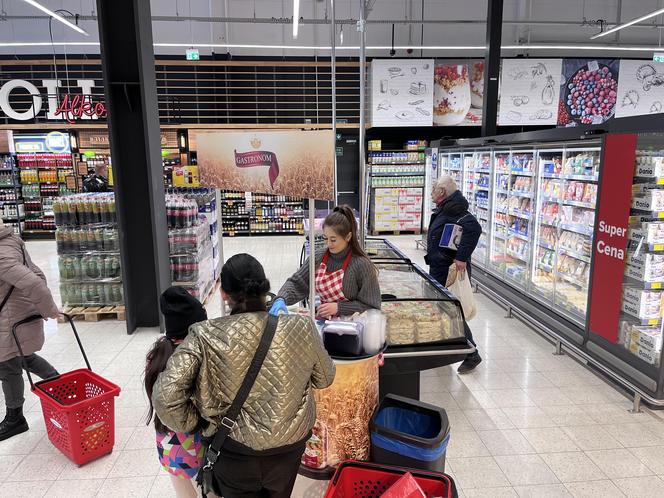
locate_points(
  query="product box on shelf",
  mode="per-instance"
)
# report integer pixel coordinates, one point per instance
(645, 267)
(649, 166)
(642, 304)
(651, 233)
(650, 200)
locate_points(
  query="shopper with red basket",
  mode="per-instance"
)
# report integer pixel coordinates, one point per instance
(23, 293)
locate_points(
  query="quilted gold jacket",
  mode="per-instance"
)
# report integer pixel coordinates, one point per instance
(205, 372)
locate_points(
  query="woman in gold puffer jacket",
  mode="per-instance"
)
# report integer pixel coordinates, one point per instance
(261, 457)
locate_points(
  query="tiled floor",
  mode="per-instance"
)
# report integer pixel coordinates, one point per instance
(524, 424)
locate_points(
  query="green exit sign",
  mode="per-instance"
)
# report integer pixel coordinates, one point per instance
(193, 55)
(658, 57)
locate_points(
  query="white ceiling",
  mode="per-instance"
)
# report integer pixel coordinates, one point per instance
(187, 32)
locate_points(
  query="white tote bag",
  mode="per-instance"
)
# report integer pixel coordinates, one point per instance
(458, 284)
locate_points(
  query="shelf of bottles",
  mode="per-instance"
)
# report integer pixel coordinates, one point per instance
(43, 177)
(12, 210)
(566, 204)
(513, 194)
(170, 159)
(248, 213)
(642, 294)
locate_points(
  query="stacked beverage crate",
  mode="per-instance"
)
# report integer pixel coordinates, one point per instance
(88, 250)
(190, 246)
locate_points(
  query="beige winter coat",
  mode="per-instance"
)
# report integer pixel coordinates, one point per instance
(205, 372)
(30, 297)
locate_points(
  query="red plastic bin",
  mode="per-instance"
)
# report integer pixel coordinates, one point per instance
(79, 413)
(369, 480)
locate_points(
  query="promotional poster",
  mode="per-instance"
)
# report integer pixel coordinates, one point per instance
(293, 163)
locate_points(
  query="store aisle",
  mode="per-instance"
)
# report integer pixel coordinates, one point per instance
(525, 423)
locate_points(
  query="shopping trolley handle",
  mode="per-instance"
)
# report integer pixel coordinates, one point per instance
(29, 319)
(32, 318)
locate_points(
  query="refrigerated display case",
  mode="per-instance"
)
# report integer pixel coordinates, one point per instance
(381, 249)
(625, 328)
(480, 205)
(576, 242)
(425, 325)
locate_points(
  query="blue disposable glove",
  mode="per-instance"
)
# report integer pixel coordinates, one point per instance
(278, 307)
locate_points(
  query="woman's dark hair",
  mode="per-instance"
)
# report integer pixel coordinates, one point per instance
(155, 364)
(243, 279)
(342, 221)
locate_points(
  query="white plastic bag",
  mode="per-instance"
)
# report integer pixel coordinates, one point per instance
(461, 288)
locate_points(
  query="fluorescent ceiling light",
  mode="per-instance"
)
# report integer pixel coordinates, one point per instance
(296, 17)
(586, 47)
(56, 16)
(629, 23)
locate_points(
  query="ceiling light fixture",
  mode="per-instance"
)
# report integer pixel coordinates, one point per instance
(627, 24)
(57, 17)
(296, 17)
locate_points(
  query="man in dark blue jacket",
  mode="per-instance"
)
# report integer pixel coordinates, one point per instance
(452, 209)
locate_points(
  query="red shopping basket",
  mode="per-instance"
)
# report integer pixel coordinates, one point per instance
(370, 480)
(78, 408)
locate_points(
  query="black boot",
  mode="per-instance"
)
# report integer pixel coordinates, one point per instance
(469, 364)
(13, 424)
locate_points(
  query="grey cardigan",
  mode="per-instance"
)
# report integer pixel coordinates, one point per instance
(360, 285)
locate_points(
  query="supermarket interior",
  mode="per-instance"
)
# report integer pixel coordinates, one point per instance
(459, 201)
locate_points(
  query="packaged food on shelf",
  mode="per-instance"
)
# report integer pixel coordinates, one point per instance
(640, 303)
(649, 200)
(646, 267)
(649, 165)
(581, 164)
(648, 233)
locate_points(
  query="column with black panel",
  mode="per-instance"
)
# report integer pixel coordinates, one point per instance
(125, 34)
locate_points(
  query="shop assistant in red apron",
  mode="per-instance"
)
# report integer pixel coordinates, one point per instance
(346, 280)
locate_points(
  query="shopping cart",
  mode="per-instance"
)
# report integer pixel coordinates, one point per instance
(78, 407)
(369, 480)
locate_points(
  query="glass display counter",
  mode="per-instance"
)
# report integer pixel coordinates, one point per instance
(425, 327)
(381, 249)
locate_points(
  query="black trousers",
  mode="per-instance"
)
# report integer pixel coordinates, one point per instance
(11, 375)
(256, 476)
(439, 272)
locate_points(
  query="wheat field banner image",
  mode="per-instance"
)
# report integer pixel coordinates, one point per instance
(292, 163)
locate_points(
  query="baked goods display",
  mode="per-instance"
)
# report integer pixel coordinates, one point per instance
(417, 322)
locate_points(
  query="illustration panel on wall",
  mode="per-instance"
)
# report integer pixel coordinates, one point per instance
(529, 92)
(640, 89)
(589, 91)
(401, 92)
(458, 92)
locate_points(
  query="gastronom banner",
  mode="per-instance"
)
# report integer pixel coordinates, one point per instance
(293, 163)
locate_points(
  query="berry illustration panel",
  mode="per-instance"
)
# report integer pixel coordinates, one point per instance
(589, 91)
(292, 163)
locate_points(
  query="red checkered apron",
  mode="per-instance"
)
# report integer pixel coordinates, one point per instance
(329, 286)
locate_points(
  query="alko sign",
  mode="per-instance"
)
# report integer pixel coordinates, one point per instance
(69, 107)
